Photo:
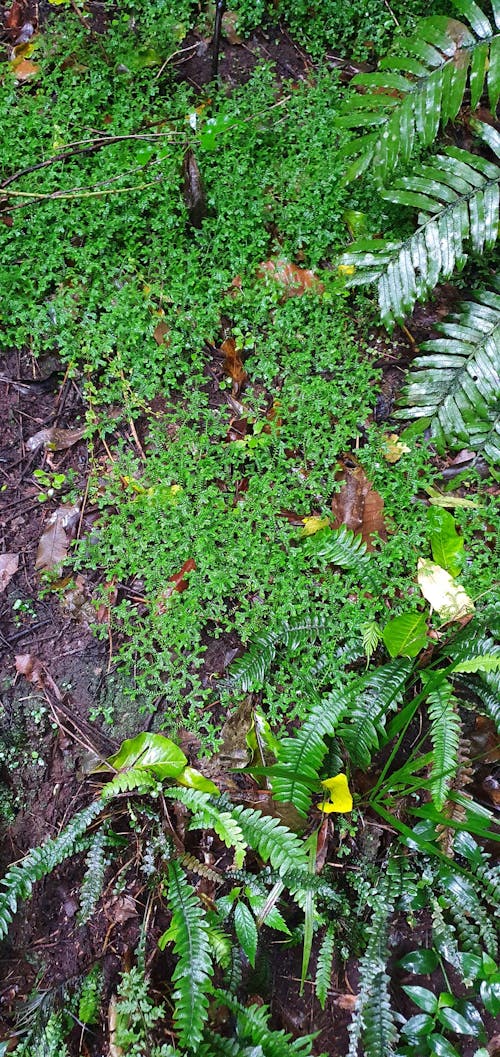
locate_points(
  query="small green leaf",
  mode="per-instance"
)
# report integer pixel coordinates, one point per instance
(446, 545)
(193, 779)
(152, 752)
(490, 996)
(406, 636)
(421, 1024)
(441, 1047)
(422, 997)
(470, 965)
(422, 961)
(454, 1021)
(246, 931)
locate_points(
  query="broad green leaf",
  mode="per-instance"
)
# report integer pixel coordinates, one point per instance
(454, 1021)
(490, 996)
(406, 636)
(193, 779)
(421, 961)
(446, 545)
(447, 597)
(420, 1024)
(422, 997)
(246, 931)
(441, 1047)
(153, 752)
(488, 663)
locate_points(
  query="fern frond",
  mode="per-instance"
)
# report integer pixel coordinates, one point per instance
(373, 1020)
(324, 965)
(93, 878)
(137, 780)
(364, 726)
(208, 815)
(445, 737)
(473, 922)
(274, 842)
(457, 382)
(339, 547)
(458, 198)
(411, 95)
(489, 699)
(39, 862)
(249, 671)
(253, 1025)
(479, 864)
(190, 933)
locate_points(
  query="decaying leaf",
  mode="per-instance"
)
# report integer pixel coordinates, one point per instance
(24, 69)
(294, 280)
(54, 439)
(313, 524)
(443, 593)
(357, 505)
(29, 666)
(230, 23)
(177, 582)
(161, 333)
(54, 543)
(233, 365)
(9, 564)
(394, 448)
(193, 190)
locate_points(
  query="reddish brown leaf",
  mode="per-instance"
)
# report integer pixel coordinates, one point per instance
(357, 505)
(54, 543)
(29, 666)
(177, 582)
(294, 280)
(9, 564)
(24, 70)
(161, 333)
(233, 365)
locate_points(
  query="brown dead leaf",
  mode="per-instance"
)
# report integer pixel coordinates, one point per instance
(120, 909)
(54, 439)
(294, 280)
(54, 542)
(177, 582)
(161, 333)
(346, 1001)
(358, 505)
(193, 190)
(29, 666)
(233, 365)
(9, 564)
(230, 21)
(24, 69)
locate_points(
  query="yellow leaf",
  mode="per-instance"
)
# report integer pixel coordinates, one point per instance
(443, 593)
(346, 269)
(313, 524)
(340, 795)
(394, 448)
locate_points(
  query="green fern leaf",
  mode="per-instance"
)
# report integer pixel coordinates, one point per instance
(324, 965)
(364, 726)
(207, 815)
(19, 879)
(93, 879)
(456, 382)
(373, 1020)
(445, 736)
(190, 933)
(460, 205)
(411, 95)
(479, 864)
(473, 922)
(137, 780)
(249, 671)
(274, 842)
(253, 1025)
(338, 547)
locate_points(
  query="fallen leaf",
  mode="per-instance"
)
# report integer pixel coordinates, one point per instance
(340, 795)
(120, 909)
(394, 448)
(9, 564)
(233, 365)
(29, 666)
(346, 269)
(161, 333)
(346, 1001)
(114, 1049)
(193, 190)
(54, 542)
(54, 439)
(177, 582)
(313, 524)
(24, 69)
(294, 280)
(230, 22)
(357, 505)
(444, 594)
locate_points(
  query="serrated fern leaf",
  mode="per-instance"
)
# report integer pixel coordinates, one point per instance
(364, 726)
(473, 921)
(249, 671)
(339, 547)
(457, 380)
(411, 95)
(479, 864)
(20, 878)
(324, 965)
(207, 815)
(190, 932)
(137, 780)
(253, 1026)
(93, 878)
(458, 198)
(274, 842)
(445, 737)
(373, 1021)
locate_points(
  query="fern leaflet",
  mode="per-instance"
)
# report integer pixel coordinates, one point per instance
(324, 965)
(207, 814)
(93, 878)
(190, 933)
(364, 725)
(445, 736)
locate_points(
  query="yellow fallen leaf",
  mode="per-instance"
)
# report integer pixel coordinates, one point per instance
(340, 795)
(346, 269)
(313, 524)
(444, 594)
(394, 448)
